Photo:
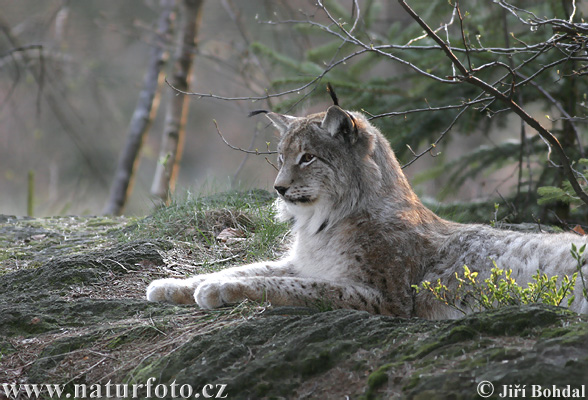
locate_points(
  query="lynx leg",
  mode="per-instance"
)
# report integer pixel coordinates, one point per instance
(178, 291)
(262, 269)
(288, 291)
(181, 291)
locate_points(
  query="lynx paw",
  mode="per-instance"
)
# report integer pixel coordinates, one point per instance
(215, 294)
(171, 290)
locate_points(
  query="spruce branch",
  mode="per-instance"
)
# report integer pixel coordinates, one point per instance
(468, 77)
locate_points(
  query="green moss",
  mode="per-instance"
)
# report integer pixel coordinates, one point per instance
(377, 379)
(6, 348)
(515, 320)
(554, 332)
(315, 363)
(100, 222)
(448, 336)
(413, 381)
(56, 351)
(262, 388)
(501, 354)
(486, 356)
(573, 334)
(458, 334)
(18, 323)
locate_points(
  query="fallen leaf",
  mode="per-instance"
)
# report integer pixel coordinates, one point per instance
(230, 235)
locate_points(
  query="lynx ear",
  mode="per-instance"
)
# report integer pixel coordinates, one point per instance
(281, 122)
(339, 122)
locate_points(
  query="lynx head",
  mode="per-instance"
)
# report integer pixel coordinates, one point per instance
(333, 160)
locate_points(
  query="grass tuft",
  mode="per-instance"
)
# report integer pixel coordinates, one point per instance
(193, 223)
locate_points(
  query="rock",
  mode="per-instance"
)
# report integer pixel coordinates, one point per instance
(72, 311)
(381, 357)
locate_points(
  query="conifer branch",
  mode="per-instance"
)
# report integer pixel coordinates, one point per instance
(467, 76)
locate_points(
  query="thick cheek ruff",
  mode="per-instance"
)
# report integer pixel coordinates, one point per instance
(284, 211)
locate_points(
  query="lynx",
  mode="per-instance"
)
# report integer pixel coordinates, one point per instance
(362, 238)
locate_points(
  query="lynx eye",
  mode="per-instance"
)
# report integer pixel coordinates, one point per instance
(306, 159)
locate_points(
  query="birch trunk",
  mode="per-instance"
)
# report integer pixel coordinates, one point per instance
(177, 105)
(146, 109)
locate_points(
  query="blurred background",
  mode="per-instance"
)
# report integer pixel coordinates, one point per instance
(66, 105)
(70, 128)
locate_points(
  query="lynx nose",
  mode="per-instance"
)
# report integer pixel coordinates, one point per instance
(281, 189)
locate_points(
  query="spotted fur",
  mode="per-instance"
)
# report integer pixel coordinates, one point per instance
(362, 238)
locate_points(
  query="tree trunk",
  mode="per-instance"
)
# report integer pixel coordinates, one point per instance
(146, 109)
(177, 105)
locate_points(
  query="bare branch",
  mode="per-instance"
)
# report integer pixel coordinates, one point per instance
(19, 49)
(436, 142)
(557, 24)
(350, 38)
(428, 109)
(256, 152)
(463, 38)
(271, 95)
(444, 27)
(271, 163)
(560, 108)
(358, 13)
(462, 69)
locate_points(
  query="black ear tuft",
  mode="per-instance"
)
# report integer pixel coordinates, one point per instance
(257, 112)
(332, 93)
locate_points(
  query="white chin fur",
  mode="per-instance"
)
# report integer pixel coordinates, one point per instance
(307, 217)
(284, 213)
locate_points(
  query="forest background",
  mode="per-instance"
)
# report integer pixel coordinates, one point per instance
(71, 73)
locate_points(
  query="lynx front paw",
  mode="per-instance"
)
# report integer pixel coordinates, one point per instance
(171, 290)
(215, 294)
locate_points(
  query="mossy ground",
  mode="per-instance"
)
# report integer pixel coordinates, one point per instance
(72, 310)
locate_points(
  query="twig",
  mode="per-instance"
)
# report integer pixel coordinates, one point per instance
(444, 27)
(102, 354)
(245, 158)
(463, 38)
(219, 261)
(358, 13)
(462, 69)
(21, 49)
(85, 371)
(560, 108)
(434, 144)
(271, 163)
(155, 327)
(417, 110)
(510, 205)
(535, 21)
(256, 152)
(118, 263)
